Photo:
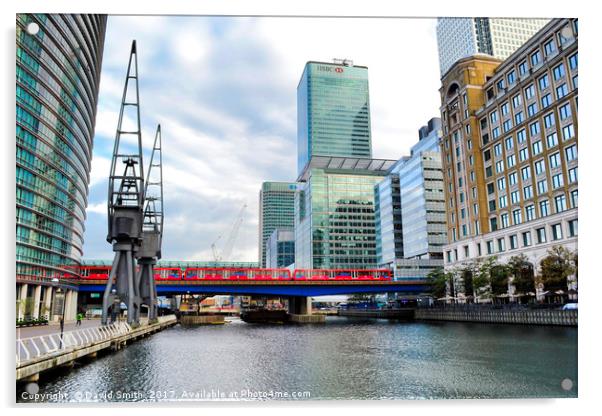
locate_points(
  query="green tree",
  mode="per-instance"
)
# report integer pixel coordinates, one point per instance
(522, 274)
(482, 277)
(439, 282)
(499, 277)
(556, 267)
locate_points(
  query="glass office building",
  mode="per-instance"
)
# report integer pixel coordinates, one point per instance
(276, 211)
(57, 79)
(280, 249)
(333, 112)
(334, 213)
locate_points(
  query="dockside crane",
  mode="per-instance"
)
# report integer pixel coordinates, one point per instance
(126, 201)
(152, 229)
(229, 244)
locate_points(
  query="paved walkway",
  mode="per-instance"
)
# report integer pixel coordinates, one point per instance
(33, 331)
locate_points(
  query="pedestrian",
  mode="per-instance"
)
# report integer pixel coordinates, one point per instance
(79, 318)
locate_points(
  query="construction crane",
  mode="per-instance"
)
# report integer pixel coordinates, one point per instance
(152, 229)
(125, 203)
(229, 244)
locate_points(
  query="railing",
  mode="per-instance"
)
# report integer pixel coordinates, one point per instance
(36, 347)
(491, 306)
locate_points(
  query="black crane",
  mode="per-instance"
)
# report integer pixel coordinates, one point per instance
(152, 229)
(126, 201)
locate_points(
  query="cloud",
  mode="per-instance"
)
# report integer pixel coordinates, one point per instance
(224, 91)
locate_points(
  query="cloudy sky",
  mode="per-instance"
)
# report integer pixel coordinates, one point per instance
(224, 91)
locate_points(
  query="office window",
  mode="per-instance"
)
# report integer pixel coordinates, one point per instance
(513, 242)
(532, 109)
(523, 154)
(530, 92)
(534, 128)
(546, 100)
(515, 197)
(565, 111)
(501, 244)
(511, 160)
(501, 184)
(549, 47)
(496, 132)
(487, 155)
(522, 67)
(504, 220)
(573, 228)
(493, 223)
(512, 178)
(554, 160)
(530, 212)
(544, 208)
(490, 247)
(535, 58)
(504, 109)
(556, 231)
(542, 187)
(448, 253)
(573, 61)
(575, 80)
(568, 132)
(497, 149)
(511, 77)
(571, 153)
(559, 72)
(560, 203)
(537, 148)
(472, 177)
(540, 167)
(521, 136)
(507, 125)
(499, 166)
(470, 160)
(466, 253)
(469, 142)
(544, 82)
(541, 235)
(501, 85)
(528, 192)
(492, 205)
(552, 140)
(509, 143)
(573, 175)
(516, 217)
(557, 181)
(561, 91)
(464, 230)
(525, 173)
(575, 198)
(493, 117)
(548, 120)
(517, 100)
(488, 171)
(461, 196)
(503, 201)
(527, 238)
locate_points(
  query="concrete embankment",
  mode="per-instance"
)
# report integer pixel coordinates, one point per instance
(500, 316)
(378, 313)
(189, 320)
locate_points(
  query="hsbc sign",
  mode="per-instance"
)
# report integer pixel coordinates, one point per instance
(325, 68)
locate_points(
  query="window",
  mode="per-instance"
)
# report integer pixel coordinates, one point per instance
(528, 192)
(521, 136)
(501, 85)
(556, 231)
(527, 238)
(535, 58)
(509, 143)
(542, 187)
(549, 47)
(490, 247)
(555, 160)
(491, 205)
(517, 100)
(504, 220)
(499, 166)
(541, 235)
(464, 230)
(472, 177)
(518, 118)
(534, 128)
(516, 217)
(540, 167)
(470, 160)
(466, 253)
(552, 140)
(575, 82)
(573, 62)
(557, 181)
(560, 203)
(573, 228)
(493, 223)
(488, 171)
(501, 244)
(561, 91)
(513, 242)
(448, 256)
(503, 201)
(571, 153)
(568, 132)
(496, 132)
(559, 72)
(497, 149)
(565, 111)
(532, 109)
(526, 173)
(504, 109)
(544, 208)
(549, 121)
(475, 209)
(501, 184)
(529, 92)
(487, 155)
(522, 67)
(512, 178)
(537, 148)
(573, 175)
(544, 82)
(523, 154)
(511, 161)
(469, 142)
(530, 212)
(515, 197)
(575, 198)
(507, 125)
(461, 196)
(546, 100)
(511, 77)
(493, 117)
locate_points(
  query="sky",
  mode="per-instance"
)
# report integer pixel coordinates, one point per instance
(224, 91)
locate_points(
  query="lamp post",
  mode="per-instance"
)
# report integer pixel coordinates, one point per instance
(55, 282)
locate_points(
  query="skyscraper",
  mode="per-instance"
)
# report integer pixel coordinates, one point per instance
(57, 74)
(333, 112)
(459, 37)
(276, 211)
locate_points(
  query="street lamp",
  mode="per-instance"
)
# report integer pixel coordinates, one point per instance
(55, 282)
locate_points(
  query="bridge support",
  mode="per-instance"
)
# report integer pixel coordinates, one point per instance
(299, 305)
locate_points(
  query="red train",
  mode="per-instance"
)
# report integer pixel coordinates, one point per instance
(231, 273)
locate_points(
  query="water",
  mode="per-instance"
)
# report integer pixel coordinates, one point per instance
(346, 358)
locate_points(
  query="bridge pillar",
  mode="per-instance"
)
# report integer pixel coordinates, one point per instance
(299, 305)
(36, 301)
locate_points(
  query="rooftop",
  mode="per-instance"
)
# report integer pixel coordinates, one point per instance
(346, 163)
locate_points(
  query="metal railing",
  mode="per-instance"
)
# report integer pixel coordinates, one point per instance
(42, 345)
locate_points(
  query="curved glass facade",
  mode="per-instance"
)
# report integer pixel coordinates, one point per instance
(57, 82)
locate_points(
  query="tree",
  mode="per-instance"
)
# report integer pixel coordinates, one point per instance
(556, 267)
(439, 282)
(522, 274)
(499, 277)
(482, 277)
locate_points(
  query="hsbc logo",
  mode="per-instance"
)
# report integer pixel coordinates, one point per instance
(324, 68)
(339, 70)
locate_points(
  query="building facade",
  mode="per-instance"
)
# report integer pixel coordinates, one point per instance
(276, 211)
(334, 213)
(280, 249)
(459, 37)
(333, 112)
(411, 214)
(510, 150)
(58, 66)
